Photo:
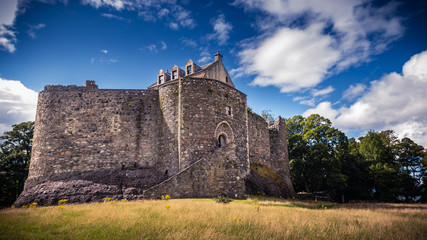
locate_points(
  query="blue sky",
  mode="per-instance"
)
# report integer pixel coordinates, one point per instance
(361, 63)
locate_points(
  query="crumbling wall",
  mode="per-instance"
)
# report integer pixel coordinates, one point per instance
(259, 140)
(279, 153)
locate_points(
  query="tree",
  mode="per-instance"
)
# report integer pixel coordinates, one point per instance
(410, 158)
(15, 154)
(314, 154)
(267, 115)
(356, 169)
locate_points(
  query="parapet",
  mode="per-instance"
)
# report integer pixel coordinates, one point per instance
(89, 84)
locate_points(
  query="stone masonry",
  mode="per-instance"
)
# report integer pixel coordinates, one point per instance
(188, 135)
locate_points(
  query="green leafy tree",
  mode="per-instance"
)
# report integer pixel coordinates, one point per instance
(315, 155)
(356, 169)
(15, 154)
(380, 151)
(410, 157)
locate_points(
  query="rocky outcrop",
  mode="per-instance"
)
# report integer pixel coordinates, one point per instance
(92, 187)
(264, 180)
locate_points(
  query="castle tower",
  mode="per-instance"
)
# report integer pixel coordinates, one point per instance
(190, 135)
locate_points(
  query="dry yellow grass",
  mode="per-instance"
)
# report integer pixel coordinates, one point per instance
(205, 219)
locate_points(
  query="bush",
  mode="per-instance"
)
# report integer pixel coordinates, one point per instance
(223, 199)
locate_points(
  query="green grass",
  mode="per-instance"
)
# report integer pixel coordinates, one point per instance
(205, 219)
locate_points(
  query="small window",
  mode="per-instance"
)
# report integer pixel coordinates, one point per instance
(175, 74)
(226, 79)
(189, 69)
(228, 110)
(161, 79)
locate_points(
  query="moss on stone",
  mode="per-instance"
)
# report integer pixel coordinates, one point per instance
(266, 172)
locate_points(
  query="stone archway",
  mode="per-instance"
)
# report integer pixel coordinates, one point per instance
(223, 134)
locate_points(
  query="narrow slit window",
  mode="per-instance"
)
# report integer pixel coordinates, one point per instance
(228, 110)
(189, 69)
(175, 74)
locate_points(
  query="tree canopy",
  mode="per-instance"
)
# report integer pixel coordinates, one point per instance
(377, 166)
(15, 154)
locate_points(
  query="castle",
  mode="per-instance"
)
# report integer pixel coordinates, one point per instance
(190, 134)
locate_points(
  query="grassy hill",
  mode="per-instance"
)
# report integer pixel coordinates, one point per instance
(205, 219)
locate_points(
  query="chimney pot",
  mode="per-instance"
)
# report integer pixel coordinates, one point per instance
(218, 57)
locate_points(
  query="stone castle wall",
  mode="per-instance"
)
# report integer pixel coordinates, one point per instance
(168, 123)
(204, 117)
(259, 139)
(214, 175)
(279, 153)
(82, 129)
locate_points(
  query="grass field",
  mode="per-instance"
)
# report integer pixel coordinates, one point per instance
(205, 219)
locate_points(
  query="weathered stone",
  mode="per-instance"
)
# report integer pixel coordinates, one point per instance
(92, 143)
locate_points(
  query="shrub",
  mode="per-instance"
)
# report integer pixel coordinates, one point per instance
(223, 199)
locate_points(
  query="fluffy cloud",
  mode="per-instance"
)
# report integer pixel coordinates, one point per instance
(307, 41)
(149, 10)
(115, 4)
(153, 48)
(291, 59)
(396, 101)
(354, 91)
(221, 28)
(7, 17)
(205, 56)
(17, 104)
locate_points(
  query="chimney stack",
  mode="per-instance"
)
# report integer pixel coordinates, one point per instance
(218, 57)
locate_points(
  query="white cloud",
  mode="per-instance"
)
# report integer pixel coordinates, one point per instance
(352, 31)
(174, 25)
(205, 56)
(221, 28)
(324, 108)
(325, 91)
(109, 15)
(149, 10)
(34, 28)
(8, 12)
(7, 18)
(188, 42)
(354, 91)
(115, 4)
(291, 59)
(17, 104)
(153, 48)
(163, 45)
(396, 102)
(105, 51)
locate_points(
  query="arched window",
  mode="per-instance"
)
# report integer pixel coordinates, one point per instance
(222, 140)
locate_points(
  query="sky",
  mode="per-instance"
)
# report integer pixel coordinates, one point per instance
(360, 63)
